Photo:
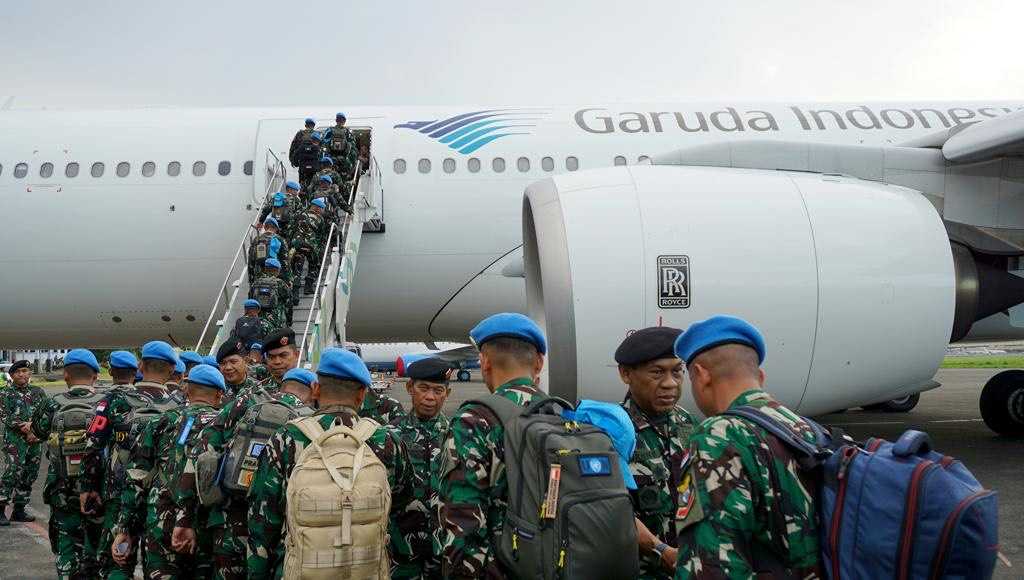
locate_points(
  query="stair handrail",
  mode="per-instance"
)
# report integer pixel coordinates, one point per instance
(278, 174)
(314, 307)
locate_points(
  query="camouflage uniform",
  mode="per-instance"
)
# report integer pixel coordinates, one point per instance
(267, 494)
(258, 373)
(227, 522)
(472, 487)
(737, 510)
(108, 443)
(277, 247)
(308, 241)
(73, 536)
(381, 408)
(277, 316)
(658, 465)
(17, 405)
(300, 136)
(159, 449)
(412, 553)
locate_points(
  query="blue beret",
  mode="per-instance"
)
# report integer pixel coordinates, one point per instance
(326, 159)
(717, 331)
(192, 357)
(339, 116)
(179, 367)
(278, 203)
(316, 135)
(160, 350)
(271, 220)
(209, 360)
(271, 263)
(255, 346)
(292, 185)
(343, 364)
(319, 202)
(251, 303)
(207, 376)
(310, 120)
(509, 325)
(122, 359)
(327, 178)
(81, 356)
(303, 376)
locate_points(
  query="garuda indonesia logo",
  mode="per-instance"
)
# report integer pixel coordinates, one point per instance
(468, 132)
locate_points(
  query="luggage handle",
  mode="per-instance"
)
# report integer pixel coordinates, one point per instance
(912, 442)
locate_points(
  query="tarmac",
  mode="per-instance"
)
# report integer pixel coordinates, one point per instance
(949, 414)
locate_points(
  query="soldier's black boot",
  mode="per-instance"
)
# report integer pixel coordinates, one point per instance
(3, 515)
(19, 515)
(308, 288)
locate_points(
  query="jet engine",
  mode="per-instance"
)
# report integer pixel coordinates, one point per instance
(852, 282)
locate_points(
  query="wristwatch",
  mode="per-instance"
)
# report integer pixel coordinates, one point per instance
(660, 548)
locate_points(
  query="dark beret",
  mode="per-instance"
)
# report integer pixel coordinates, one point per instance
(229, 348)
(647, 344)
(21, 364)
(429, 369)
(278, 338)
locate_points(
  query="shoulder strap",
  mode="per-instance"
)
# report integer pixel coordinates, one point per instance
(365, 428)
(310, 427)
(806, 450)
(505, 409)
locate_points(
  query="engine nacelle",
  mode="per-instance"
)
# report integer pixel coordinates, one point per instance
(851, 282)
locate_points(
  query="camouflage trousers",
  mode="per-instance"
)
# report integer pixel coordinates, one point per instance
(310, 257)
(105, 561)
(163, 563)
(228, 554)
(21, 470)
(411, 550)
(73, 539)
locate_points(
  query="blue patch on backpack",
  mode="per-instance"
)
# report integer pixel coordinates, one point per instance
(591, 465)
(186, 430)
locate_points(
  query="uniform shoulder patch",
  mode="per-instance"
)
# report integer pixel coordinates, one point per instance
(690, 510)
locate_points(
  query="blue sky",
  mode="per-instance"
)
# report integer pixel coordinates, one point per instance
(188, 53)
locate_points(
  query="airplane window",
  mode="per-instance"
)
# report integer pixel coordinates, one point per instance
(424, 166)
(620, 160)
(498, 165)
(247, 168)
(571, 163)
(199, 168)
(174, 169)
(547, 164)
(643, 159)
(21, 170)
(449, 165)
(399, 166)
(123, 168)
(473, 165)
(97, 169)
(224, 168)
(46, 169)
(523, 164)
(71, 170)
(148, 169)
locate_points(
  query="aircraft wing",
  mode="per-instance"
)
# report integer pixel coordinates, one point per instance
(1000, 137)
(458, 355)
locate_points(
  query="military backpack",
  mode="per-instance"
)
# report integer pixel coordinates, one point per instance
(264, 291)
(143, 410)
(70, 423)
(569, 514)
(338, 501)
(309, 152)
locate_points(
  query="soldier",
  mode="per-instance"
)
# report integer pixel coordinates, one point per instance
(227, 522)
(339, 139)
(269, 244)
(308, 155)
(274, 296)
(191, 358)
(335, 194)
(22, 449)
(234, 365)
(257, 370)
(654, 377)
(422, 430)
(248, 328)
(308, 242)
(123, 366)
(471, 483)
(173, 384)
(281, 353)
(300, 137)
(342, 383)
(118, 419)
(327, 189)
(73, 535)
(739, 470)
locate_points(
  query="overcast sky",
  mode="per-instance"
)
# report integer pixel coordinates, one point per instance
(99, 53)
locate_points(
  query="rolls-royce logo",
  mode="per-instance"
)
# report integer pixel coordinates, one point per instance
(673, 282)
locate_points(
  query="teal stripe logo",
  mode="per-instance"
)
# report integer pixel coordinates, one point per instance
(468, 132)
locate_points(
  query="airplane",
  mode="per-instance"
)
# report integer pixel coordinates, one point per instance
(861, 237)
(394, 357)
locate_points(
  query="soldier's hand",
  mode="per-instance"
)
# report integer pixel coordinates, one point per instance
(645, 538)
(89, 500)
(25, 427)
(31, 438)
(668, 558)
(117, 548)
(183, 540)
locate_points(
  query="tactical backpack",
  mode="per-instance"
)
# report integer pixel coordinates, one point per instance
(188, 429)
(261, 247)
(308, 153)
(338, 502)
(143, 410)
(257, 425)
(247, 330)
(569, 514)
(894, 510)
(339, 140)
(264, 291)
(68, 428)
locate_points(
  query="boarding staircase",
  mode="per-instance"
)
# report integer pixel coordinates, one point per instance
(319, 319)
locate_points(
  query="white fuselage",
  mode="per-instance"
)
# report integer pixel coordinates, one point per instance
(116, 261)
